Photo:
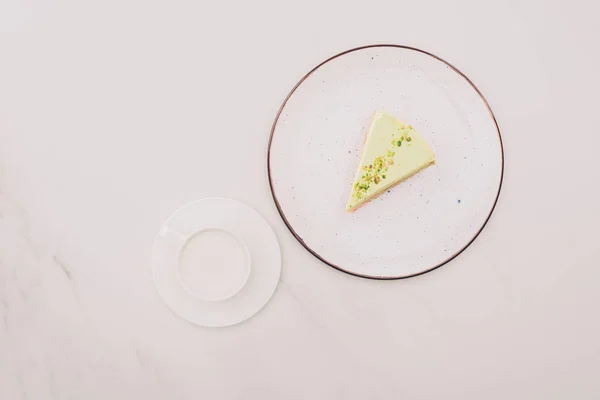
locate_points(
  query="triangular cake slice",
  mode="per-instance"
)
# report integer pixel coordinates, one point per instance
(392, 152)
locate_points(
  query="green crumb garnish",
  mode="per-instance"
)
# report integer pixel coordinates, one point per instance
(377, 171)
(373, 173)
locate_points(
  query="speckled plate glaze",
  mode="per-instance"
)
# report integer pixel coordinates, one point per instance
(418, 225)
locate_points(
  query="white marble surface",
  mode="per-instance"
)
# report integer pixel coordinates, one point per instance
(110, 118)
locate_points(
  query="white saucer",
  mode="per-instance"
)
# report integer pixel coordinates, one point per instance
(255, 252)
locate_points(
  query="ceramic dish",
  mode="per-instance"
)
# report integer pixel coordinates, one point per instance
(315, 146)
(216, 262)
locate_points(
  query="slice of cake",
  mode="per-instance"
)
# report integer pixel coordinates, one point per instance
(392, 152)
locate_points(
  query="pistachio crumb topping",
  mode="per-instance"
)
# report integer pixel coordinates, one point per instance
(373, 174)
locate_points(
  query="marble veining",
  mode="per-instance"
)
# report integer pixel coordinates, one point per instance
(112, 116)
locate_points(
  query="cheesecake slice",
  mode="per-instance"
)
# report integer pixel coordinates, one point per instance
(392, 152)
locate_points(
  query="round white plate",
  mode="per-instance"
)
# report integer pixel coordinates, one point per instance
(216, 262)
(315, 147)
